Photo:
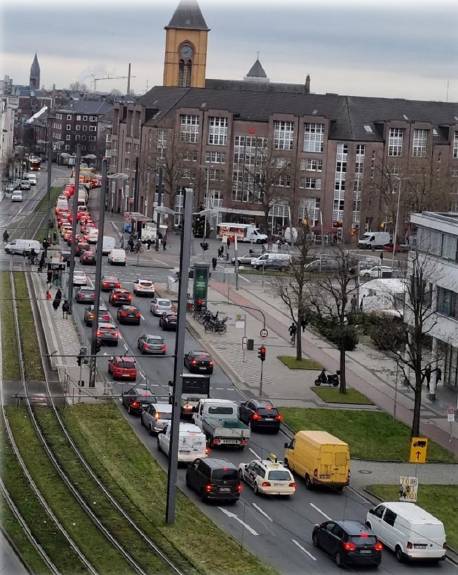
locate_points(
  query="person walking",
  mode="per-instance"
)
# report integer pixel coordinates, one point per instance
(6, 236)
(148, 243)
(438, 375)
(214, 263)
(428, 375)
(57, 300)
(303, 324)
(42, 262)
(65, 309)
(164, 243)
(49, 277)
(292, 333)
(228, 243)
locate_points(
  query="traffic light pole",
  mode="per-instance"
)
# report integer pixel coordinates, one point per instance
(98, 273)
(158, 215)
(261, 380)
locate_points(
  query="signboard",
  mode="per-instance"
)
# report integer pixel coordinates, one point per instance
(408, 489)
(200, 284)
(418, 449)
(451, 414)
(239, 324)
(263, 332)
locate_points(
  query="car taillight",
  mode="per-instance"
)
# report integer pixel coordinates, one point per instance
(193, 362)
(156, 416)
(187, 407)
(279, 418)
(208, 488)
(293, 485)
(163, 347)
(99, 333)
(256, 417)
(348, 546)
(135, 404)
(239, 488)
(265, 484)
(378, 546)
(210, 363)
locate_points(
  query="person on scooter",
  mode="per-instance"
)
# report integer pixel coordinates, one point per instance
(323, 378)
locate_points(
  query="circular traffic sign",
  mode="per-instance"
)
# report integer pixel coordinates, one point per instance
(263, 332)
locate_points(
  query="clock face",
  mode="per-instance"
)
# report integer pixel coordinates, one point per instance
(186, 51)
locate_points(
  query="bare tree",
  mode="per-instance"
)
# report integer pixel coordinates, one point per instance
(330, 304)
(78, 87)
(293, 288)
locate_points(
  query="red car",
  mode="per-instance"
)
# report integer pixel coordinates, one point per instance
(82, 247)
(109, 282)
(129, 314)
(107, 334)
(120, 297)
(120, 367)
(87, 258)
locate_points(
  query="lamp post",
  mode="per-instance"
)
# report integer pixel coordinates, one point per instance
(396, 223)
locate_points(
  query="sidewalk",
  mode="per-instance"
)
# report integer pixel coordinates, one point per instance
(375, 381)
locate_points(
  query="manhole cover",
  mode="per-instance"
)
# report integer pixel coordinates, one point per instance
(365, 471)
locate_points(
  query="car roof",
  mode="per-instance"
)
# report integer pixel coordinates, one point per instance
(354, 527)
(165, 407)
(411, 511)
(144, 281)
(190, 427)
(152, 336)
(216, 463)
(262, 402)
(125, 358)
(198, 352)
(268, 464)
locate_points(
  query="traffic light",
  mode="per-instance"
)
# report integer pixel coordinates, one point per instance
(262, 353)
(79, 359)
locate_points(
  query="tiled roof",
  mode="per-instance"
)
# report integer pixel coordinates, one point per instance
(92, 107)
(188, 16)
(257, 71)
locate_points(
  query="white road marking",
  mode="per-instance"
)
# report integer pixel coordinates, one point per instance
(303, 549)
(141, 315)
(244, 278)
(254, 452)
(155, 384)
(234, 516)
(162, 262)
(319, 511)
(262, 512)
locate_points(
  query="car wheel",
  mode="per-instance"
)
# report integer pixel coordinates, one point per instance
(256, 489)
(188, 483)
(308, 482)
(399, 554)
(151, 429)
(338, 559)
(142, 423)
(315, 540)
(159, 448)
(129, 410)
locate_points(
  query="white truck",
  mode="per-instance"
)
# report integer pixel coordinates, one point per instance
(243, 233)
(374, 240)
(219, 420)
(196, 386)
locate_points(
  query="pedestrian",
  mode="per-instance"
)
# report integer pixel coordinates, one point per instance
(164, 243)
(131, 244)
(353, 304)
(303, 324)
(54, 237)
(438, 375)
(49, 276)
(220, 251)
(228, 243)
(65, 309)
(292, 332)
(57, 300)
(121, 245)
(428, 375)
(361, 305)
(6, 236)
(148, 243)
(42, 262)
(214, 263)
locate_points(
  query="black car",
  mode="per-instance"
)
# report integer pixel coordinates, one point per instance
(214, 479)
(260, 414)
(137, 398)
(168, 322)
(198, 362)
(348, 542)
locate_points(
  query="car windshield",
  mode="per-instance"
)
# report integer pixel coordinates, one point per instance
(162, 415)
(221, 410)
(163, 302)
(366, 540)
(225, 474)
(279, 475)
(153, 339)
(266, 412)
(125, 363)
(145, 283)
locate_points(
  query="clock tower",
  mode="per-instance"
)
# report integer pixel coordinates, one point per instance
(186, 47)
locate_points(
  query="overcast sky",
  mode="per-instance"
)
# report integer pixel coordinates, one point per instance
(403, 48)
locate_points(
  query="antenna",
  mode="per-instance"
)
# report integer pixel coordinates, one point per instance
(446, 91)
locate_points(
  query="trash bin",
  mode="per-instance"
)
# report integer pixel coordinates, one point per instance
(250, 344)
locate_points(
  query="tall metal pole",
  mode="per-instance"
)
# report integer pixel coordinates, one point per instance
(158, 215)
(396, 225)
(236, 263)
(98, 272)
(49, 179)
(74, 218)
(185, 258)
(128, 78)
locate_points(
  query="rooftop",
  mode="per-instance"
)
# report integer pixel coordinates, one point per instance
(188, 16)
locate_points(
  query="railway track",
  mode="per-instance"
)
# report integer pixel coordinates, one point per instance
(143, 555)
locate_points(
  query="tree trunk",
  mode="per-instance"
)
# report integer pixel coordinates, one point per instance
(298, 342)
(415, 431)
(343, 381)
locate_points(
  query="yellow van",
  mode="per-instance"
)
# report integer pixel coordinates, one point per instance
(320, 458)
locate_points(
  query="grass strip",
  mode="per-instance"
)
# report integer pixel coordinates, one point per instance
(130, 472)
(21, 544)
(305, 363)
(10, 353)
(95, 498)
(333, 395)
(92, 543)
(36, 517)
(440, 500)
(32, 358)
(371, 435)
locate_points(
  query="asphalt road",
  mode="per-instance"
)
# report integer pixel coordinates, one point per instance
(278, 531)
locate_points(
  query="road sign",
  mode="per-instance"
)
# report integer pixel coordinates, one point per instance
(418, 449)
(408, 489)
(451, 414)
(263, 332)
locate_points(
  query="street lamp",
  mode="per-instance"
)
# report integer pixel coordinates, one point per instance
(397, 221)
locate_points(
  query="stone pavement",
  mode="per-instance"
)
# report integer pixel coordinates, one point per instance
(371, 378)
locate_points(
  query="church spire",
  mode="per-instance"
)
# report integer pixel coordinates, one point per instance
(34, 80)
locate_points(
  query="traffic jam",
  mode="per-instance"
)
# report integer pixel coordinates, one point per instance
(216, 432)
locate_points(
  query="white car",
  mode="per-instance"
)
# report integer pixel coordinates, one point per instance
(17, 196)
(24, 185)
(156, 416)
(32, 179)
(79, 278)
(376, 272)
(144, 287)
(93, 235)
(192, 442)
(160, 306)
(268, 477)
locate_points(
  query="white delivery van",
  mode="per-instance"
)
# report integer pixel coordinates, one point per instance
(408, 530)
(23, 247)
(271, 260)
(374, 240)
(109, 243)
(117, 256)
(243, 233)
(192, 442)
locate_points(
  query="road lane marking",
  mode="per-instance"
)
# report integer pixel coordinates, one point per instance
(319, 511)
(262, 512)
(142, 316)
(303, 549)
(234, 516)
(244, 278)
(254, 453)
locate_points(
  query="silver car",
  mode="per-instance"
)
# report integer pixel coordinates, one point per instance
(156, 416)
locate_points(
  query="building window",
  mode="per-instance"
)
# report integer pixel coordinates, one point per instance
(83, 138)
(77, 138)
(249, 155)
(214, 157)
(284, 181)
(190, 156)
(68, 137)
(217, 131)
(161, 142)
(311, 165)
(68, 127)
(93, 118)
(283, 135)
(67, 147)
(455, 145)
(313, 137)
(309, 211)
(92, 138)
(84, 118)
(78, 118)
(395, 139)
(93, 128)
(419, 144)
(78, 127)
(447, 302)
(214, 175)
(189, 128)
(58, 116)
(69, 116)
(310, 183)
(84, 128)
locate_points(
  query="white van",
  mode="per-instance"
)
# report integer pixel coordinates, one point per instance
(192, 442)
(408, 530)
(109, 243)
(117, 256)
(374, 240)
(271, 260)
(23, 247)
(32, 177)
